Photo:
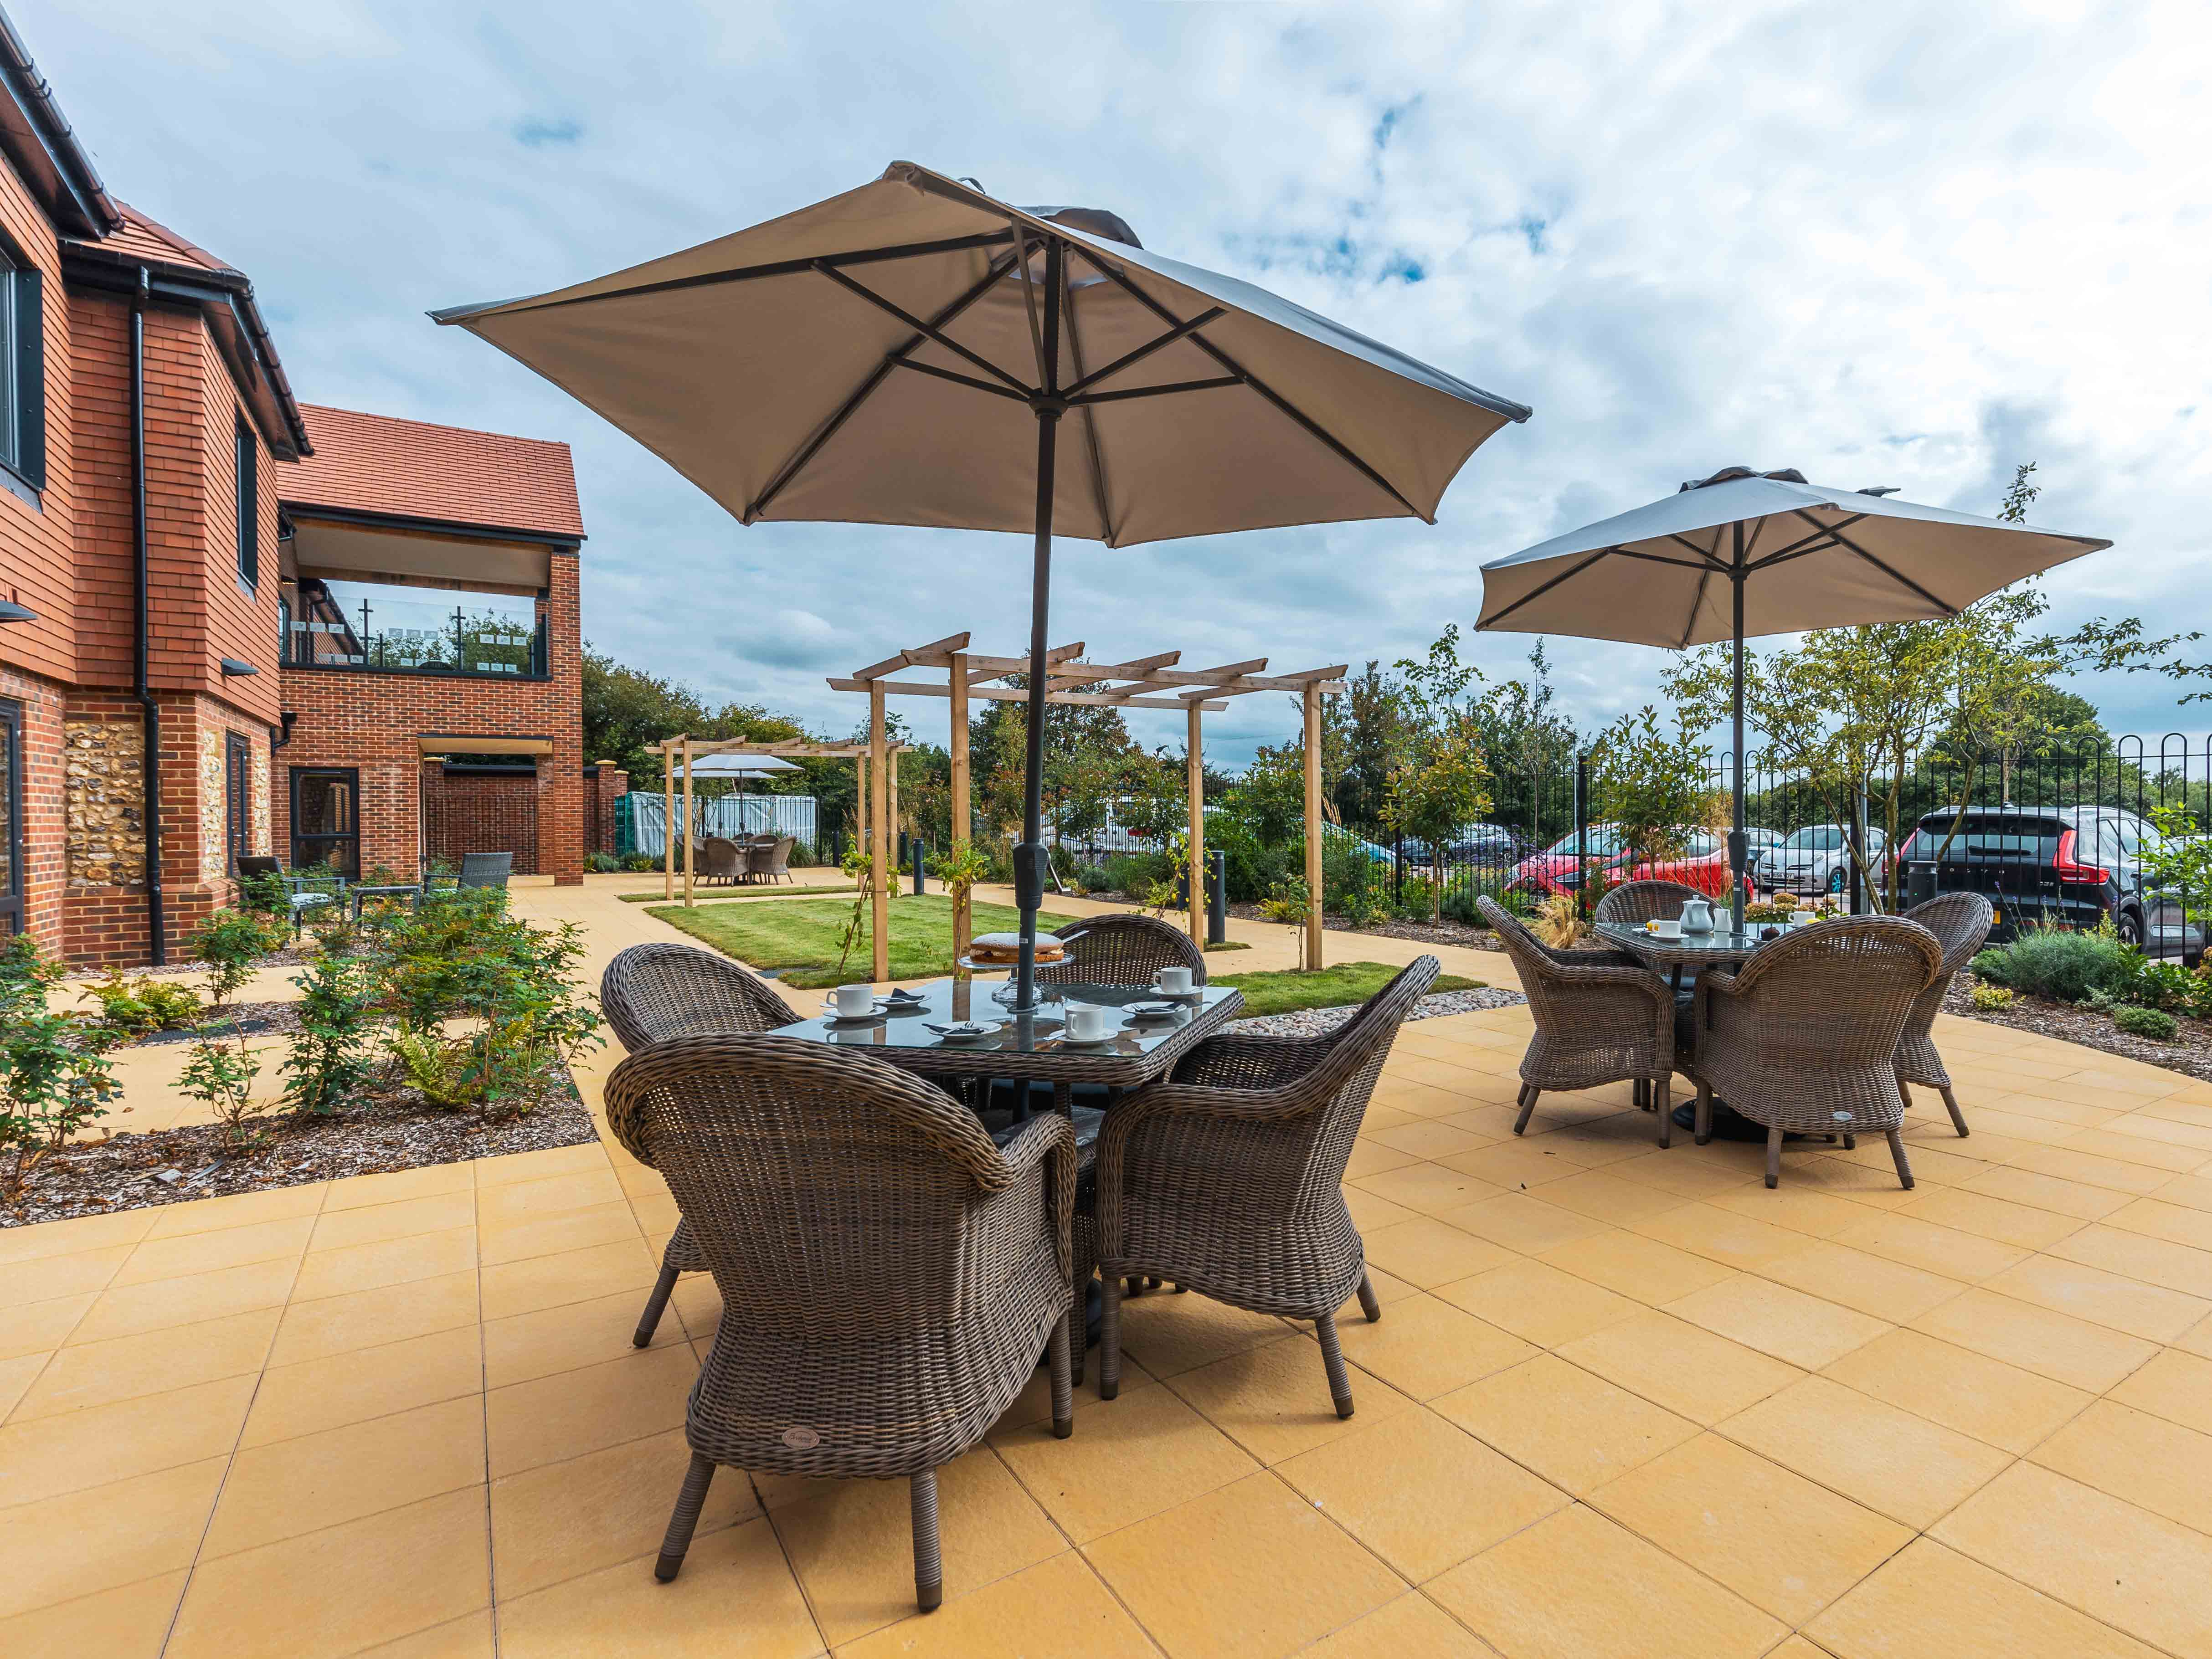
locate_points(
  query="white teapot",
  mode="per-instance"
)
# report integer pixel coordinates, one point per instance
(1696, 916)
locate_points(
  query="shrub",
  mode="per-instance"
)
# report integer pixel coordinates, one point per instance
(2050, 961)
(220, 1075)
(2149, 983)
(228, 943)
(2151, 1023)
(802, 855)
(1559, 921)
(1132, 873)
(134, 1005)
(1091, 879)
(265, 896)
(603, 864)
(1990, 998)
(54, 1075)
(327, 1057)
(639, 863)
(337, 931)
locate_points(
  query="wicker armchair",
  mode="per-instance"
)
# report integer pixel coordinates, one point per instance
(1638, 902)
(1597, 1022)
(1228, 1176)
(1123, 949)
(652, 992)
(725, 860)
(1803, 1038)
(767, 857)
(1961, 922)
(890, 1275)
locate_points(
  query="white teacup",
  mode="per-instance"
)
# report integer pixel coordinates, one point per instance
(852, 1001)
(1172, 982)
(1804, 918)
(1086, 1022)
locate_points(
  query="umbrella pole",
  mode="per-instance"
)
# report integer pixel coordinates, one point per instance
(1030, 856)
(1737, 845)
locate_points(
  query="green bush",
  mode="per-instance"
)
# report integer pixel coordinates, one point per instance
(327, 1058)
(802, 855)
(136, 1005)
(2150, 983)
(1990, 998)
(602, 864)
(639, 863)
(2050, 962)
(228, 943)
(2151, 1023)
(1250, 867)
(1132, 873)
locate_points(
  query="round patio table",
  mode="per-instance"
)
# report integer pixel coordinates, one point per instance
(1723, 948)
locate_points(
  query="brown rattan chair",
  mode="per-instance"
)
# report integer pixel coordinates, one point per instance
(1803, 1038)
(1123, 949)
(768, 857)
(1636, 902)
(652, 992)
(1598, 1020)
(725, 860)
(890, 1275)
(1228, 1176)
(1961, 922)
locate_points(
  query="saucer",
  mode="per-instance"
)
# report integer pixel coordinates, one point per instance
(1152, 1009)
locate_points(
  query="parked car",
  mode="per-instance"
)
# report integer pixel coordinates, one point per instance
(2056, 866)
(1490, 844)
(1704, 864)
(1818, 859)
(1553, 869)
(1758, 844)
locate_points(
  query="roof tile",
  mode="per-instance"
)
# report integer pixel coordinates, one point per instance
(378, 463)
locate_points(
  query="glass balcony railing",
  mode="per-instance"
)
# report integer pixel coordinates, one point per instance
(415, 638)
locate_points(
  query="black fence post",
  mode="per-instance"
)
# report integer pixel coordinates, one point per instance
(1398, 869)
(1217, 908)
(1582, 824)
(918, 853)
(1857, 851)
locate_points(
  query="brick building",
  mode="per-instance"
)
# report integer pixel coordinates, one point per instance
(180, 543)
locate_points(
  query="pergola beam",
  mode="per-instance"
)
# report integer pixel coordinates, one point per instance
(1007, 694)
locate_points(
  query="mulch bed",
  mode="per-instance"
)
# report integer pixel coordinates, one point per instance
(392, 1128)
(2189, 1053)
(253, 1019)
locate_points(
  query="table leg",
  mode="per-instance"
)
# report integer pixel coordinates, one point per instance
(1079, 1311)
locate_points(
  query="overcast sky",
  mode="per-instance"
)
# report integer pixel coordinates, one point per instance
(1886, 244)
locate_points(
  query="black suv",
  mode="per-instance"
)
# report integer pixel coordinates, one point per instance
(2049, 866)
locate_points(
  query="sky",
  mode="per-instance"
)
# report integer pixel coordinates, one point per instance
(1896, 244)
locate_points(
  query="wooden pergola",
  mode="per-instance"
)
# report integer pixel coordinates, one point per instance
(681, 751)
(1153, 682)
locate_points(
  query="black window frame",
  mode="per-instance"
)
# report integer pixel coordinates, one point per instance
(22, 372)
(11, 818)
(246, 469)
(300, 858)
(238, 799)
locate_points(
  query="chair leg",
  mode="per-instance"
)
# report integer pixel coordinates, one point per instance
(1774, 1157)
(1529, 1093)
(928, 1566)
(1958, 1117)
(1851, 1143)
(1904, 1093)
(1640, 1094)
(1331, 1357)
(1370, 1303)
(1662, 1096)
(689, 1503)
(655, 1305)
(1897, 1152)
(1079, 1329)
(1110, 1336)
(1705, 1121)
(1063, 1383)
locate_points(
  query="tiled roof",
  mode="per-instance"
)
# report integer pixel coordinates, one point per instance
(375, 463)
(145, 239)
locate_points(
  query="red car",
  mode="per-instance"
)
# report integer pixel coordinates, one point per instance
(1553, 869)
(1704, 867)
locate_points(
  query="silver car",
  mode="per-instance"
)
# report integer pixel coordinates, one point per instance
(1817, 859)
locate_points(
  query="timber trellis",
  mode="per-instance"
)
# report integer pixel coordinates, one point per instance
(1153, 682)
(678, 752)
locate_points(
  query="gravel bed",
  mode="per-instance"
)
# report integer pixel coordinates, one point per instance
(392, 1128)
(1314, 1022)
(2189, 1053)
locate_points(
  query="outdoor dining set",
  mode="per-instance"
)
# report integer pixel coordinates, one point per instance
(903, 1210)
(1802, 1030)
(757, 860)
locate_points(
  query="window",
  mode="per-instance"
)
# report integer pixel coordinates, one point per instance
(11, 818)
(238, 789)
(326, 818)
(249, 514)
(22, 371)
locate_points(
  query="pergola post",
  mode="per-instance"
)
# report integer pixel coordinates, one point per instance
(1312, 701)
(668, 820)
(689, 821)
(880, 905)
(863, 818)
(891, 811)
(1194, 763)
(959, 736)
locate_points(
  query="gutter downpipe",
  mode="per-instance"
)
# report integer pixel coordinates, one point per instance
(149, 711)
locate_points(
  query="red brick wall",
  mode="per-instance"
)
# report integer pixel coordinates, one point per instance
(43, 861)
(372, 721)
(36, 543)
(477, 812)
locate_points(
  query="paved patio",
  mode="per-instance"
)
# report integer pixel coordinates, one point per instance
(1622, 1402)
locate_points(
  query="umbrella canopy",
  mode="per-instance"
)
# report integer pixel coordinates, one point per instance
(1742, 553)
(905, 353)
(738, 766)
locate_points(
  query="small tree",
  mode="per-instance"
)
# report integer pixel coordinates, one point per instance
(54, 1075)
(1432, 794)
(1655, 784)
(220, 1076)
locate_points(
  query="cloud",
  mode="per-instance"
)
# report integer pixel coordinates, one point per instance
(1860, 241)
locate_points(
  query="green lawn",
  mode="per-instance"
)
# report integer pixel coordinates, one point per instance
(715, 893)
(801, 936)
(1288, 990)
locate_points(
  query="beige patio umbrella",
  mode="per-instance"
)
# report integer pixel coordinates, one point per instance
(907, 352)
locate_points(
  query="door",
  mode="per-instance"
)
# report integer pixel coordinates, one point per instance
(326, 819)
(11, 820)
(238, 793)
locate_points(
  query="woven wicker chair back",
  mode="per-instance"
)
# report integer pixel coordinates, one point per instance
(1124, 950)
(836, 1198)
(652, 992)
(1551, 1002)
(1638, 902)
(725, 859)
(1961, 922)
(1831, 998)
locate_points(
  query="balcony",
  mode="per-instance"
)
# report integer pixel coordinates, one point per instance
(358, 629)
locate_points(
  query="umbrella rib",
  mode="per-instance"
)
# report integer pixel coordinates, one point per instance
(1162, 391)
(1823, 536)
(1697, 603)
(1899, 577)
(1105, 269)
(958, 379)
(1710, 561)
(745, 274)
(866, 390)
(921, 327)
(1090, 422)
(1028, 295)
(1144, 351)
(1539, 593)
